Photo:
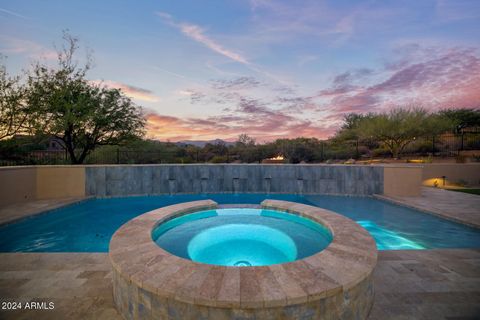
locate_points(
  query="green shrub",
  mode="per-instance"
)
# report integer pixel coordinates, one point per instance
(219, 159)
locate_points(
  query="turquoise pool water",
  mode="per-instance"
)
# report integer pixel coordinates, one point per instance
(88, 226)
(242, 237)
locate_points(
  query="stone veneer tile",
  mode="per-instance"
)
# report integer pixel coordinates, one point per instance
(159, 307)
(124, 180)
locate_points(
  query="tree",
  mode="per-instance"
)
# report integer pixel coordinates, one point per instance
(462, 118)
(397, 128)
(299, 149)
(12, 107)
(64, 104)
(352, 120)
(349, 130)
(245, 140)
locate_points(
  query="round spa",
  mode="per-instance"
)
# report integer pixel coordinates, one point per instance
(240, 237)
(283, 260)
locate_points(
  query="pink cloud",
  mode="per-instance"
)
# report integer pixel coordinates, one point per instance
(435, 79)
(442, 78)
(26, 47)
(131, 91)
(249, 117)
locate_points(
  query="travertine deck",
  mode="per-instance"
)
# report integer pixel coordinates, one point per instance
(423, 284)
(427, 284)
(17, 211)
(79, 285)
(456, 206)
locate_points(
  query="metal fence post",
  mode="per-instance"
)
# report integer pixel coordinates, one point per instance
(461, 145)
(357, 154)
(433, 146)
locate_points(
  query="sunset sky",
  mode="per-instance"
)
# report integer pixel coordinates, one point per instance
(272, 69)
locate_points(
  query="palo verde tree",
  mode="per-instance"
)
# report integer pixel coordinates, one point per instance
(12, 107)
(397, 128)
(462, 118)
(64, 104)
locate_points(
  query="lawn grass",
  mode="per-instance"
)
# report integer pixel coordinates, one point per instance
(471, 191)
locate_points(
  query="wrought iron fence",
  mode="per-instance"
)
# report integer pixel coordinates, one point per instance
(445, 145)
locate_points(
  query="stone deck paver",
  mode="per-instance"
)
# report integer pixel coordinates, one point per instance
(456, 206)
(409, 284)
(16, 211)
(427, 284)
(79, 285)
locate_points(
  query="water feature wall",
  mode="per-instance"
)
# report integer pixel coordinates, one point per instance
(124, 180)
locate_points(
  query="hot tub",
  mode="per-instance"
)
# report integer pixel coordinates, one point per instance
(242, 237)
(282, 261)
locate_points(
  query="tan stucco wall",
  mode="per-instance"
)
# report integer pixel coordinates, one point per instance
(17, 184)
(454, 173)
(60, 182)
(402, 181)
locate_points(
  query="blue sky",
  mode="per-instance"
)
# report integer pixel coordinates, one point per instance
(271, 69)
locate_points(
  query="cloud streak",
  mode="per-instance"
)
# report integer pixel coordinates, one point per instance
(197, 34)
(14, 14)
(130, 91)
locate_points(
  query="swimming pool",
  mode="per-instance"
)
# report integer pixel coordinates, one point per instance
(88, 226)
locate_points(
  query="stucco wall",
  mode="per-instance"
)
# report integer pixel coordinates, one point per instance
(105, 181)
(17, 184)
(56, 182)
(454, 173)
(402, 181)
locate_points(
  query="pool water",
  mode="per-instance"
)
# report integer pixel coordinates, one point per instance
(88, 226)
(242, 237)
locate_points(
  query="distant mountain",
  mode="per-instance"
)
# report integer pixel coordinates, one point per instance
(202, 143)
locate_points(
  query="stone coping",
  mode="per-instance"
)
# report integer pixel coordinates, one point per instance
(347, 261)
(452, 212)
(17, 212)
